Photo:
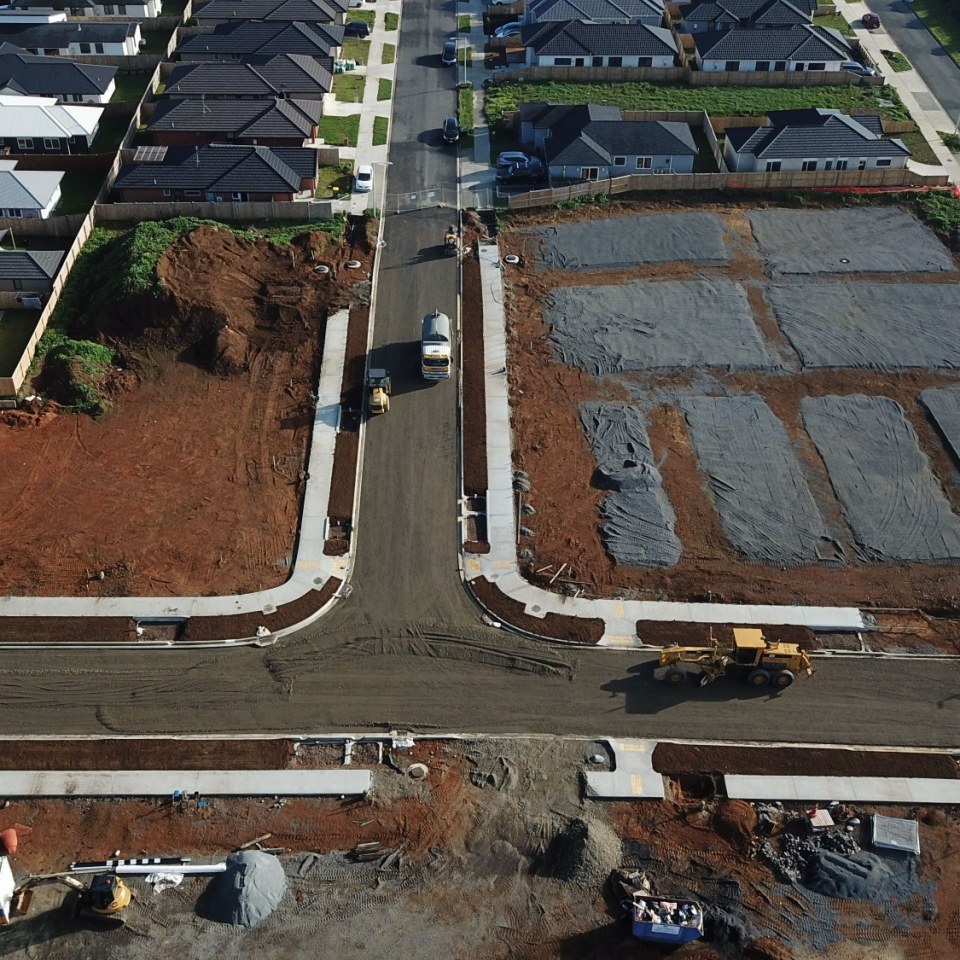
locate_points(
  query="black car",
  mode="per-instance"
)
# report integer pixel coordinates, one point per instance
(357, 28)
(451, 130)
(532, 171)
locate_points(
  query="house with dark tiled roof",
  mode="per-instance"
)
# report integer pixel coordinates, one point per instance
(573, 43)
(29, 272)
(138, 10)
(307, 11)
(31, 194)
(815, 139)
(282, 123)
(72, 39)
(220, 173)
(248, 39)
(791, 48)
(285, 75)
(706, 15)
(26, 74)
(593, 142)
(595, 11)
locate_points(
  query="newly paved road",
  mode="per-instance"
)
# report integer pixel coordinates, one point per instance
(929, 59)
(407, 650)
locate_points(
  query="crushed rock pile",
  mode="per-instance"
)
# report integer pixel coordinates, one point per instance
(249, 891)
(584, 853)
(861, 876)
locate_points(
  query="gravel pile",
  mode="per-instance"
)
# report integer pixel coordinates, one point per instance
(584, 853)
(248, 892)
(861, 876)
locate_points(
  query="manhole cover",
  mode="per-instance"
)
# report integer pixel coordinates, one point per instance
(535, 608)
(512, 259)
(322, 269)
(352, 264)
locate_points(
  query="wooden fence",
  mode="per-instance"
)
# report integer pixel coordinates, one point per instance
(693, 78)
(306, 211)
(783, 180)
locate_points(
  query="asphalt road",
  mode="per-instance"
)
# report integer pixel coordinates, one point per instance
(929, 59)
(407, 649)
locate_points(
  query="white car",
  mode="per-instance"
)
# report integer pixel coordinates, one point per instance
(363, 179)
(508, 30)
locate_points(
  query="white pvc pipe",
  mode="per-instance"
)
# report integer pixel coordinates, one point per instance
(181, 868)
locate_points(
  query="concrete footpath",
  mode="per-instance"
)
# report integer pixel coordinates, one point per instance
(311, 568)
(500, 564)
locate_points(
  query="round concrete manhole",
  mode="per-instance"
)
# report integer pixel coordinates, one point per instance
(353, 264)
(418, 771)
(536, 608)
(321, 269)
(318, 580)
(512, 259)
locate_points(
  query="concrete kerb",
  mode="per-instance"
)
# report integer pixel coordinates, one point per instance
(311, 568)
(500, 565)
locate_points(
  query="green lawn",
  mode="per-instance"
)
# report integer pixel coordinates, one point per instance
(384, 89)
(329, 177)
(391, 21)
(389, 53)
(465, 56)
(717, 101)
(340, 131)
(921, 150)
(157, 41)
(16, 328)
(898, 62)
(463, 23)
(348, 87)
(380, 127)
(836, 22)
(364, 16)
(354, 49)
(465, 110)
(130, 86)
(941, 19)
(111, 131)
(79, 191)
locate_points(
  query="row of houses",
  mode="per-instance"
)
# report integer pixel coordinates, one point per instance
(596, 142)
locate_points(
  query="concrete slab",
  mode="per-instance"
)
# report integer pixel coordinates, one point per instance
(162, 783)
(633, 775)
(847, 789)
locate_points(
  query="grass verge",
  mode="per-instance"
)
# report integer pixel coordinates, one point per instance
(355, 49)
(389, 53)
(380, 128)
(465, 110)
(362, 16)
(898, 62)
(465, 57)
(348, 87)
(940, 18)
(340, 131)
(463, 23)
(952, 141)
(391, 21)
(384, 89)
(919, 147)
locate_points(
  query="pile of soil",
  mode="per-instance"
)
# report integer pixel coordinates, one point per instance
(584, 853)
(735, 821)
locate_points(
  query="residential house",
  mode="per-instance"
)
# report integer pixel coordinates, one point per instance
(791, 48)
(573, 43)
(251, 39)
(27, 74)
(30, 194)
(814, 139)
(75, 39)
(282, 123)
(220, 173)
(41, 125)
(593, 142)
(306, 11)
(595, 11)
(30, 272)
(285, 75)
(701, 16)
(139, 10)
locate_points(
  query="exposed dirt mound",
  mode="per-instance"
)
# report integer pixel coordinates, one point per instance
(735, 821)
(584, 853)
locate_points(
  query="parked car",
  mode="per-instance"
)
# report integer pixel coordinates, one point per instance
(508, 30)
(509, 157)
(870, 21)
(355, 4)
(530, 172)
(357, 28)
(363, 179)
(449, 55)
(451, 130)
(861, 70)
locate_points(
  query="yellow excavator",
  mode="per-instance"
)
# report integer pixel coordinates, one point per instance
(762, 662)
(105, 898)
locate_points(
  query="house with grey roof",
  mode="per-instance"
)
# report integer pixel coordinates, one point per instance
(796, 48)
(701, 16)
(137, 10)
(573, 43)
(595, 11)
(815, 139)
(30, 194)
(30, 75)
(72, 39)
(593, 142)
(180, 121)
(246, 40)
(41, 125)
(219, 173)
(29, 273)
(307, 11)
(285, 75)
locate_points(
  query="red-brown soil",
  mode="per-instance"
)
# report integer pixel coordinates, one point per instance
(191, 483)
(474, 391)
(676, 759)
(550, 446)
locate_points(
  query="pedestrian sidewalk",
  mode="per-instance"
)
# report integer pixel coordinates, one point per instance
(477, 177)
(917, 97)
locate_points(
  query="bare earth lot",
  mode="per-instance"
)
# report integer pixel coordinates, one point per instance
(618, 348)
(191, 483)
